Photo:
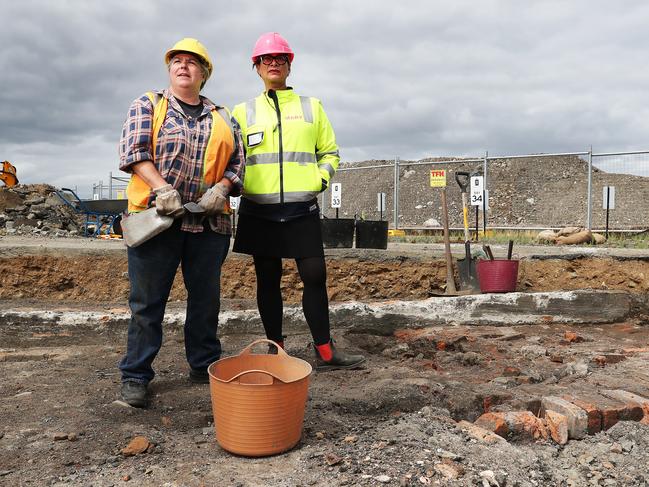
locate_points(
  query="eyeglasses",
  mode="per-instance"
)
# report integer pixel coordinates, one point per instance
(280, 59)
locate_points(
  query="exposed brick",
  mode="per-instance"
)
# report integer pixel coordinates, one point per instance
(611, 410)
(636, 407)
(558, 426)
(593, 413)
(494, 422)
(514, 424)
(572, 337)
(577, 417)
(480, 434)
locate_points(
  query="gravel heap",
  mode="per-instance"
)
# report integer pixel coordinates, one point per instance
(35, 209)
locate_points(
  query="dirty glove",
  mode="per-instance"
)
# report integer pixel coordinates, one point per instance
(168, 202)
(213, 201)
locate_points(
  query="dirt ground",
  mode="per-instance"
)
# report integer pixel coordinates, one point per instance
(394, 422)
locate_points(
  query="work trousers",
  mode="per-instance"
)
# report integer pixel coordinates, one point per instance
(152, 267)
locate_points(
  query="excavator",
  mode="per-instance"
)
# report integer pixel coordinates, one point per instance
(8, 174)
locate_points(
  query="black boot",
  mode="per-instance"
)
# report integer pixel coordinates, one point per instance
(134, 394)
(339, 360)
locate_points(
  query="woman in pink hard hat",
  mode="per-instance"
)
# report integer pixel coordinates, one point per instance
(291, 155)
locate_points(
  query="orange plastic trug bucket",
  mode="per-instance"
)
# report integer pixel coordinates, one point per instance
(258, 401)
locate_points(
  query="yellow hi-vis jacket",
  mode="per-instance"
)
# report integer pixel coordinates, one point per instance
(217, 152)
(291, 151)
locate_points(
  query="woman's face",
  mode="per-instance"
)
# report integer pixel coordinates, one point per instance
(273, 70)
(185, 72)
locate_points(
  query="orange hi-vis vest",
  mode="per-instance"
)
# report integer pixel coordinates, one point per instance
(217, 153)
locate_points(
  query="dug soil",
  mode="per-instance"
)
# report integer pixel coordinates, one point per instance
(398, 421)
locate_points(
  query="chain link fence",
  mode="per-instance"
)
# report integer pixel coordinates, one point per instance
(533, 192)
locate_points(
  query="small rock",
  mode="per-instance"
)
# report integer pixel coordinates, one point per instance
(207, 430)
(126, 478)
(616, 448)
(320, 435)
(447, 454)
(138, 445)
(628, 446)
(24, 394)
(384, 479)
(60, 436)
(73, 437)
(350, 439)
(332, 459)
(121, 403)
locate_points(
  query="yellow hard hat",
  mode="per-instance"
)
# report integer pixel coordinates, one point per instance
(192, 46)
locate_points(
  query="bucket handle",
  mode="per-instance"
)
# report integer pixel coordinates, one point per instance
(248, 349)
(240, 374)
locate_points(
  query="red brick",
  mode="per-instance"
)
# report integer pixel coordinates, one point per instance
(594, 414)
(481, 434)
(636, 407)
(611, 410)
(577, 417)
(572, 337)
(522, 424)
(558, 427)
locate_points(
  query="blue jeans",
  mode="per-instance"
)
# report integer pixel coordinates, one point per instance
(151, 269)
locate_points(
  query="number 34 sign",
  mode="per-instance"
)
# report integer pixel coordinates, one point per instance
(477, 190)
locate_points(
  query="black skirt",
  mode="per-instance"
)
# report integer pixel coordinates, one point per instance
(297, 238)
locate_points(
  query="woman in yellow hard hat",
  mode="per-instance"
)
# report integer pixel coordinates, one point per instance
(291, 154)
(179, 147)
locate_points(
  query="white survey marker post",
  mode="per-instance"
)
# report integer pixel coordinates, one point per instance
(380, 202)
(608, 198)
(336, 195)
(477, 190)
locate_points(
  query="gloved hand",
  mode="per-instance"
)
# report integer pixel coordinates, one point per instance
(324, 186)
(213, 201)
(168, 202)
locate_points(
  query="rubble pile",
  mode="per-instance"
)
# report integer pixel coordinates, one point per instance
(35, 209)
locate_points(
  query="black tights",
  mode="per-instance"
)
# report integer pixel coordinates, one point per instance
(315, 303)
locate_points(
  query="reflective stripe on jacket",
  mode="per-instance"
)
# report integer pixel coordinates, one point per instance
(217, 153)
(290, 147)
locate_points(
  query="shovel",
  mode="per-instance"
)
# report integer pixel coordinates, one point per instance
(143, 226)
(466, 266)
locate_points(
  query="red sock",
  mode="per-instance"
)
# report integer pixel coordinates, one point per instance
(325, 351)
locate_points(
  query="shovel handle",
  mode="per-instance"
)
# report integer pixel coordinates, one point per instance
(463, 178)
(488, 251)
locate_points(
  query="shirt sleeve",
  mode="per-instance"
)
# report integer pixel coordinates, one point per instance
(136, 144)
(235, 169)
(326, 148)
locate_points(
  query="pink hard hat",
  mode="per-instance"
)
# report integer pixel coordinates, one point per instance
(271, 43)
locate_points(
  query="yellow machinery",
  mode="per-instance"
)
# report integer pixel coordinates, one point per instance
(8, 174)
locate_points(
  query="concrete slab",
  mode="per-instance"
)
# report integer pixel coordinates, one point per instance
(382, 318)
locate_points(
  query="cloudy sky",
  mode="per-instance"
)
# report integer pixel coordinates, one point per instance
(413, 79)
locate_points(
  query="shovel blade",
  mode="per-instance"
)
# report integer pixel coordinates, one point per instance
(468, 275)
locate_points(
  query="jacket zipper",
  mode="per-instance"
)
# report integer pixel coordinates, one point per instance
(273, 95)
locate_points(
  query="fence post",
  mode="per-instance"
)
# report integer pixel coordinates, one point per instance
(485, 192)
(589, 199)
(396, 192)
(110, 185)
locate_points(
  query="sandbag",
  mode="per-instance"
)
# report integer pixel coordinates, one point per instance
(565, 231)
(598, 238)
(576, 238)
(547, 236)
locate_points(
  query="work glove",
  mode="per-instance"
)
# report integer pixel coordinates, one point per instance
(168, 202)
(214, 199)
(324, 185)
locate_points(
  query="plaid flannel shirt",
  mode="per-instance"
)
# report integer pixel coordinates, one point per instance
(180, 149)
